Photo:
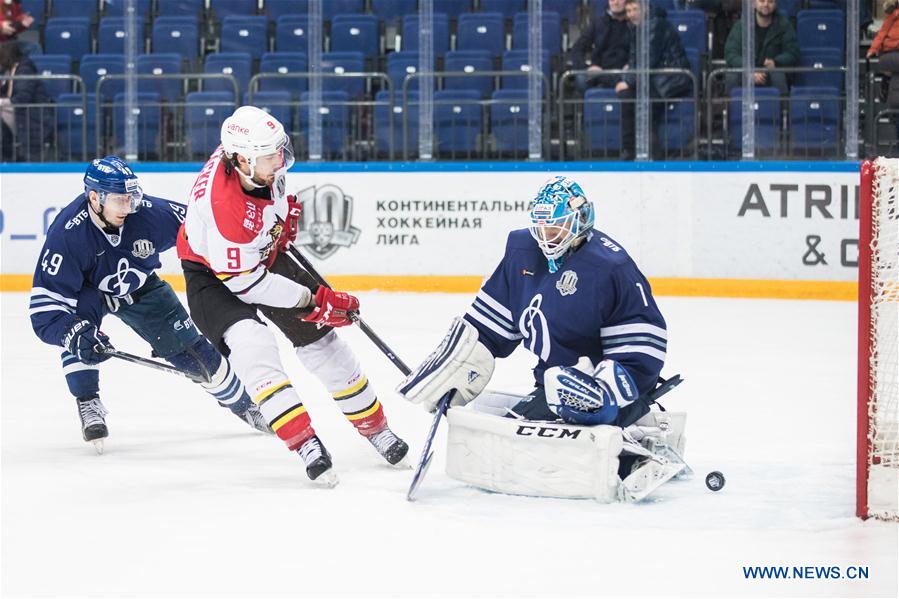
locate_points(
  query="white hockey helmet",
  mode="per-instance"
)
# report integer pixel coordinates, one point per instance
(253, 133)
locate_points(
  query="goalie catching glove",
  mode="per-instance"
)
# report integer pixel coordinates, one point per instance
(460, 363)
(586, 395)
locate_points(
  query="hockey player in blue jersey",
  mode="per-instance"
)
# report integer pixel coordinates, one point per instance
(575, 298)
(94, 262)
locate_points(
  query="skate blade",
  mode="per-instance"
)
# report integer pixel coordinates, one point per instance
(327, 479)
(98, 446)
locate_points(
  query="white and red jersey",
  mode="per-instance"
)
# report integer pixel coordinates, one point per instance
(237, 236)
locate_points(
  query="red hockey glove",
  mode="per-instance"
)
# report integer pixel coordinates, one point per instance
(292, 224)
(332, 308)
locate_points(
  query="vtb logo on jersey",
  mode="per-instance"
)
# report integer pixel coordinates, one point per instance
(325, 223)
(143, 249)
(567, 283)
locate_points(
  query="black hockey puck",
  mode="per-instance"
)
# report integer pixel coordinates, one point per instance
(714, 480)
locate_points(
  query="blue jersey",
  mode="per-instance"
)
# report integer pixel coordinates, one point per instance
(598, 305)
(78, 258)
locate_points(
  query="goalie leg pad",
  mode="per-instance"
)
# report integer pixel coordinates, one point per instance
(460, 363)
(538, 459)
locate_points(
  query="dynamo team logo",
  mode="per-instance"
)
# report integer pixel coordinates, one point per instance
(123, 281)
(326, 220)
(535, 329)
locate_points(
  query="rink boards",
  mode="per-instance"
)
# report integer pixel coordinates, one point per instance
(777, 229)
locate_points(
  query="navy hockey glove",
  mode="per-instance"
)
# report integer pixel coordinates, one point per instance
(86, 343)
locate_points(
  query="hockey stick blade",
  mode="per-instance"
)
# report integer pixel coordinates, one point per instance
(426, 454)
(197, 378)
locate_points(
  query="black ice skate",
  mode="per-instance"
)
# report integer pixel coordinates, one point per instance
(254, 418)
(392, 448)
(318, 462)
(93, 420)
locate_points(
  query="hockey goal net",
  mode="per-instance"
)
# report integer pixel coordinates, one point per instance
(877, 490)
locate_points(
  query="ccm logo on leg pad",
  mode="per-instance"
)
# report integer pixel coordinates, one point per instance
(547, 432)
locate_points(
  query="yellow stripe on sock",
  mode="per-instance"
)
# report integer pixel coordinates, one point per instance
(366, 413)
(362, 382)
(278, 423)
(260, 399)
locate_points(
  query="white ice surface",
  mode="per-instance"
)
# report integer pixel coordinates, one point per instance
(188, 502)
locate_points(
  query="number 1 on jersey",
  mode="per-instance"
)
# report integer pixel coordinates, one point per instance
(642, 294)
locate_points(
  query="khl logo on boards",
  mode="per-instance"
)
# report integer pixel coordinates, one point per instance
(326, 220)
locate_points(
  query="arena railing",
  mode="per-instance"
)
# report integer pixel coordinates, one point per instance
(599, 125)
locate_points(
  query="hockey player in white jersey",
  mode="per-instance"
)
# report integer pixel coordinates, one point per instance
(575, 298)
(232, 246)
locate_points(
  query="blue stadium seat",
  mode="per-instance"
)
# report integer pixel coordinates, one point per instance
(668, 5)
(814, 120)
(598, 7)
(819, 58)
(691, 27)
(274, 9)
(517, 60)
(70, 36)
(399, 65)
(111, 36)
(789, 8)
(177, 34)
(507, 8)
(35, 8)
(383, 131)
(203, 117)
(54, 64)
(469, 61)
(821, 29)
(149, 123)
(276, 103)
(29, 48)
(284, 63)
(116, 8)
(343, 62)
(509, 120)
(71, 116)
(335, 122)
(567, 9)
(167, 63)
(767, 118)
(391, 11)
(291, 34)
(95, 66)
(441, 34)
(75, 8)
(602, 121)
(552, 32)
(481, 31)
(695, 60)
(235, 64)
(332, 8)
(452, 8)
(232, 8)
(356, 33)
(457, 122)
(245, 34)
(676, 127)
(177, 8)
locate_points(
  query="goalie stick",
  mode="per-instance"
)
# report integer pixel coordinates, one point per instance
(197, 378)
(424, 461)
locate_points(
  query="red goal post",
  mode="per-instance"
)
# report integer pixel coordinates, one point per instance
(877, 473)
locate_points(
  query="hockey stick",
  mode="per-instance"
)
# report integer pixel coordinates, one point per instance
(424, 461)
(301, 259)
(197, 378)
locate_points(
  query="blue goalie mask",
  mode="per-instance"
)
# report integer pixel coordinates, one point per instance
(561, 215)
(114, 181)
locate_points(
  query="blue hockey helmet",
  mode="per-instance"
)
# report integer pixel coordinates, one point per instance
(560, 215)
(112, 177)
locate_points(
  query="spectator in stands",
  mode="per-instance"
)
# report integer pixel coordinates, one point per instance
(665, 52)
(13, 20)
(604, 45)
(776, 45)
(27, 127)
(886, 47)
(721, 14)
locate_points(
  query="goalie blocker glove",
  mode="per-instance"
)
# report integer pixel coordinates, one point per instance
(460, 363)
(588, 396)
